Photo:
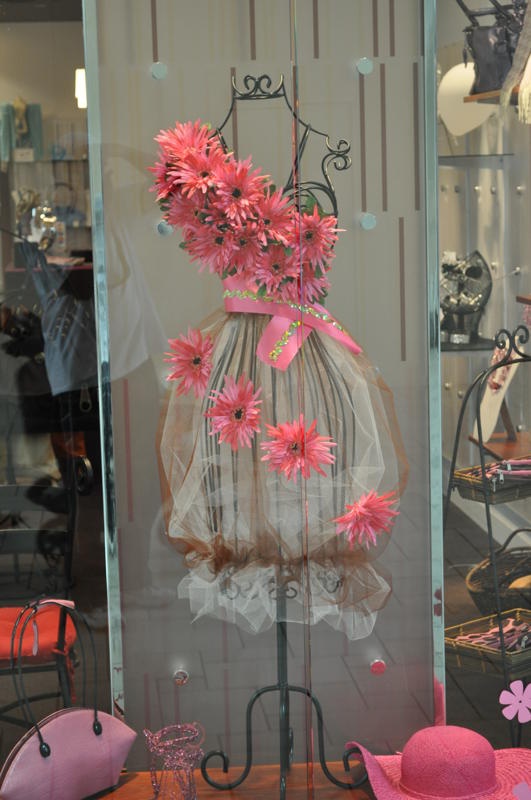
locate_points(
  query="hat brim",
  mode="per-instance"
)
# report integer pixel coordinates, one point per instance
(513, 766)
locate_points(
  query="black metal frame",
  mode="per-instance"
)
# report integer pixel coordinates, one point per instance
(284, 688)
(338, 156)
(511, 342)
(259, 88)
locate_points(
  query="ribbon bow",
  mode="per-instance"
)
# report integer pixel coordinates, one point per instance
(290, 325)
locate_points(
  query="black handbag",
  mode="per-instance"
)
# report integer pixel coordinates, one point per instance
(492, 46)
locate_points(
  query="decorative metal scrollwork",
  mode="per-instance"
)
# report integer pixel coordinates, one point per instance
(255, 89)
(511, 342)
(338, 156)
(287, 591)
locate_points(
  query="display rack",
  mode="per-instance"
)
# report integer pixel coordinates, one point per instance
(484, 491)
(322, 191)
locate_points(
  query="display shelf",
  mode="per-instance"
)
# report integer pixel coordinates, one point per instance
(65, 160)
(466, 654)
(477, 160)
(473, 483)
(501, 447)
(492, 97)
(469, 484)
(481, 343)
(262, 786)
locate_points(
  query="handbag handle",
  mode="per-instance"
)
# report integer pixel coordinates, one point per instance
(66, 185)
(30, 612)
(498, 9)
(510, 538)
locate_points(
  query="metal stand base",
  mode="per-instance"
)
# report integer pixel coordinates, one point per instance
(285, 730)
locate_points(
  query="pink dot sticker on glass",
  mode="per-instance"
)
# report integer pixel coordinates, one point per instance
(378, 666)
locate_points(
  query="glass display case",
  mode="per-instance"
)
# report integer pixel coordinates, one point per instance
(261, 581)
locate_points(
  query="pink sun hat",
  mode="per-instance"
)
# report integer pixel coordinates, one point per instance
(446, 762)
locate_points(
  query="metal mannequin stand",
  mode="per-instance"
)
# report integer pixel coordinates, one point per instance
(259, 88)
(284, 689)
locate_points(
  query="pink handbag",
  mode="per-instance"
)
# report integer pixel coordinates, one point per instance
(71, 754)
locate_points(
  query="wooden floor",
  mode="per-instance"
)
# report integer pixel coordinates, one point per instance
(261, 784)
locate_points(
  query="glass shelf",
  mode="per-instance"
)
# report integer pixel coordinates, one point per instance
(81, 160)
(479, 161)
(480, 343)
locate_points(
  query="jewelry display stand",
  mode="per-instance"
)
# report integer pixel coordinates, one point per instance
(484, 491)
(259, 88)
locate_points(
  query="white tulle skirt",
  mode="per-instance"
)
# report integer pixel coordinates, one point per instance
(248, 534)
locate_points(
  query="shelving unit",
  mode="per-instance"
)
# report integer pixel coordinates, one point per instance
(476, 485)
(492, 97)
(468, 194)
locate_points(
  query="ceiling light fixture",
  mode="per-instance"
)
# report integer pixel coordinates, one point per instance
(81, 89)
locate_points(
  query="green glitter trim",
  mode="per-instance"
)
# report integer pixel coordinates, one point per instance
(276, 352)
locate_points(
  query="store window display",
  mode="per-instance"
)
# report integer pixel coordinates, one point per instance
(260, 405)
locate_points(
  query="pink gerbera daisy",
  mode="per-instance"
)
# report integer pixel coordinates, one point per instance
(213, 245)
(367, 518)
(235, 414)
(273, 215)
(185, 212)
(192, 359)
(247, 248)
(275, 266)
(310, 286)
(315, 236)
(196, 173)
(237, 189)
(292, 448)
(177, 144)
(186, 137)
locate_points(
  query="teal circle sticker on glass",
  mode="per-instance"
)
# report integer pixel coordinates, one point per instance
(164, 228)
(365, 65)
(159, 70)
(367, 221)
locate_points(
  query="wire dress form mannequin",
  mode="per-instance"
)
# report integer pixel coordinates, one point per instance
(249, 533)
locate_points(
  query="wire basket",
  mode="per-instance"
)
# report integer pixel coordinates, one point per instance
(469, 484)
(513, 566)
(481, 658)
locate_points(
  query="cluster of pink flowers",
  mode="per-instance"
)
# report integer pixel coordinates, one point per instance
(235, 222)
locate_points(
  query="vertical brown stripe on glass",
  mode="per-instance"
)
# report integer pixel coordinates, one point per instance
(234, 116)
(252, 29)
(416, 135)
(154, 37)
(292, 32)
(363, 146)
(392, 32)
(383, 128)
(402, 286)
(316, 28)
(226, 683)
(128, 451)
(421, 31)
(147, 701)
(375, 37)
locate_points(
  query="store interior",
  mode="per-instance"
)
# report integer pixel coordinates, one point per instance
(51, 440)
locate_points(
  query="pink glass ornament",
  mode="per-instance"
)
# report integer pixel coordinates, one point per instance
(175, 753)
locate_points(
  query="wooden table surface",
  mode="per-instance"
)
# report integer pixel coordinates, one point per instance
(262, 784)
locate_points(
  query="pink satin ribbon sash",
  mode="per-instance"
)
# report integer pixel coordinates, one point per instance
(290, 325)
